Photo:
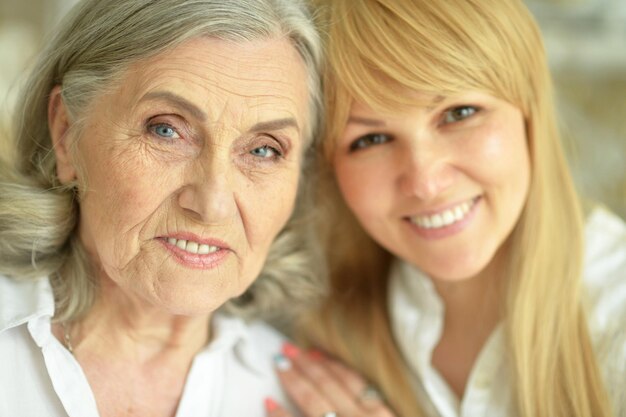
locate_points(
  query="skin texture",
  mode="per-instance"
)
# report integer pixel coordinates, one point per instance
(428, 159)
(205, 139)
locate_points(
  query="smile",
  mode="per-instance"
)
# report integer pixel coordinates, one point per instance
(192, 247)
(445, 217)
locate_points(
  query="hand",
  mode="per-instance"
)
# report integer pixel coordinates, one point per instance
(319, 385)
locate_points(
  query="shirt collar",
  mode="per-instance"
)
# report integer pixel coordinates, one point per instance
(232, 333)
(24, 300)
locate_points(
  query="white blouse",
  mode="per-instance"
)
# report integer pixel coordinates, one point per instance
(417, 315)
(39, 377)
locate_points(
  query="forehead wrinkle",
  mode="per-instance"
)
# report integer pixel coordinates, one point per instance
(215, 72)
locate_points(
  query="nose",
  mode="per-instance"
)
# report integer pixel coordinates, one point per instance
(208, 195)
(426, 170)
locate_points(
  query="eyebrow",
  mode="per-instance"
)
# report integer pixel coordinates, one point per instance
(365, 121)
(178, 101)
(380, 123)
(196, 112)
(277, 124)
(435, 102)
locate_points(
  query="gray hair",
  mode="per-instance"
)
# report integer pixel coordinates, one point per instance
(96, 43)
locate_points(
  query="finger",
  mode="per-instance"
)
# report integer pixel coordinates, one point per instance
(310, 401)
(367, 397)
(273, 409)
(352, 381)
(314, 368)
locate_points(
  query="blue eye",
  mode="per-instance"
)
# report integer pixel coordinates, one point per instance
(369, 140)
(265, 151)
(165, 131)
(456, 114)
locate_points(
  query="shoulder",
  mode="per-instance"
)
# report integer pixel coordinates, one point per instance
(604, 271)
(21, 300)
(267, 339)
(252, 370)
(605, 239)
(605, 292)
(254, 343)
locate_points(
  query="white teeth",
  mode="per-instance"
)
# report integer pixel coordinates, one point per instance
(192, 247)
(445, 218)
(458, 213)
(437, 221)
(448, 217)
(426, 222)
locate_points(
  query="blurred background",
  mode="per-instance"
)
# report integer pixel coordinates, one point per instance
(586, 43)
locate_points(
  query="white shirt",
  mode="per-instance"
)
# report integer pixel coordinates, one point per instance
(417, 315)
(39, 377)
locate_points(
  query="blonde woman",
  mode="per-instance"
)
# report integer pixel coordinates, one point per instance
(161, 145)
(465, 278)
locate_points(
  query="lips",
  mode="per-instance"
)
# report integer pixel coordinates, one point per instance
(195, 252)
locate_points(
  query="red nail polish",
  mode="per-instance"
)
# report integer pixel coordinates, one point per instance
(315, 354)
(290, 350)
(270, 404)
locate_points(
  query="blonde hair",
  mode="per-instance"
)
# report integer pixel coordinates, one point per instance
(97, 41)
(375, 50)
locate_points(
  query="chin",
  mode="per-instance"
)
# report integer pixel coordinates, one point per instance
(192, 308)
(454, 275)
(453, 270)
(189, 301)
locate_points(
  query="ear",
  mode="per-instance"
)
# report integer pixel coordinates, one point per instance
(59, 125)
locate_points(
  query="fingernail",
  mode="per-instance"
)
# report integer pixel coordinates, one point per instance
(282, 362)
(315, 354)
(290, 350)
(270, 404)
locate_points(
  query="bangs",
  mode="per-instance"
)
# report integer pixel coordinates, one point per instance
(382, 50)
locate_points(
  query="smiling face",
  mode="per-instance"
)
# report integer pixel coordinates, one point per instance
(440, 186)
(191, 169)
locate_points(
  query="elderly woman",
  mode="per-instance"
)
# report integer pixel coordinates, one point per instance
(160, 148)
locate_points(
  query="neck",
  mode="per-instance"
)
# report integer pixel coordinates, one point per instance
(123, 326)
(482, 292)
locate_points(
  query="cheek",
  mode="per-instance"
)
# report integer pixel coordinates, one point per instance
(267, 206)
(350, 184)
(363, 186)
(499, 155)
(127, 191)
(122, 196)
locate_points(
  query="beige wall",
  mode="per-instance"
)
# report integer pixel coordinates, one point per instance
(586, 41)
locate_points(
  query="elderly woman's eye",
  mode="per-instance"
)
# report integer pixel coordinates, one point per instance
(266, 151)
(164, 130)
(369, 140)
(456, 114)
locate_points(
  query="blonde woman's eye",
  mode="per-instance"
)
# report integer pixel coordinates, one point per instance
(368, 140)
(266, 151)
(456, 114)
(164, 131)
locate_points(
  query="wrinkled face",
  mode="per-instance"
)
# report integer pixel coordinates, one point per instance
(441, 187)
(192, 169)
